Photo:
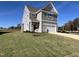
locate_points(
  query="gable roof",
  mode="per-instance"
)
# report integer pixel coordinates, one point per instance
(46, 7)
(32, 9)
(50, 7)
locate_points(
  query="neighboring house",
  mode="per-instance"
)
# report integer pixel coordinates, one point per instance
(42, 20)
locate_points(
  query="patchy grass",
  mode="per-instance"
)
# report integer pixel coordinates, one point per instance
(42, 44)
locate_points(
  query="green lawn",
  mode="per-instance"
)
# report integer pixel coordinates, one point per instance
(26, 44)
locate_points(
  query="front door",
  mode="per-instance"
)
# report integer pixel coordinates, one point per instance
(35, 25)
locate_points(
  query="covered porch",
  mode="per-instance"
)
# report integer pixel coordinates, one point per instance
(34, 26)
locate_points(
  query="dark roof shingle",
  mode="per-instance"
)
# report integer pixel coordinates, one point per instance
(32, 9)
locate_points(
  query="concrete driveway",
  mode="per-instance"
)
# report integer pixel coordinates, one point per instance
(74, 36)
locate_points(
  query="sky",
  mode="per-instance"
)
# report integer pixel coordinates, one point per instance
(11, 12)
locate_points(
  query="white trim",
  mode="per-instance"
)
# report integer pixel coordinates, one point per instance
(54, 8)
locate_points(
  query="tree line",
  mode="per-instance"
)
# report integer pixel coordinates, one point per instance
(70, 25)
(18, 26)
(15, 27)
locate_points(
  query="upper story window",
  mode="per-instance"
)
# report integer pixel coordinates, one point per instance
(50, 15)
(47, 15)
(34, 15)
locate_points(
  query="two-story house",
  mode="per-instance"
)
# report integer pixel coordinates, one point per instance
(42, 20)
